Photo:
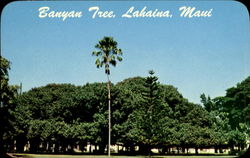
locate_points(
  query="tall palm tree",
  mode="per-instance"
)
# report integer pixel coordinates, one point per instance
(107, 54)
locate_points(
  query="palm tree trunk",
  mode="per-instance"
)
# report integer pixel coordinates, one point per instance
(109, 115)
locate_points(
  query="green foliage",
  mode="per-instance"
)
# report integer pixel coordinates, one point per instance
(7, 97)
(145, 113)
(107, 54)
(238, 101)
(8, 92)
(230, 114)
(151, 112)
(207, 102)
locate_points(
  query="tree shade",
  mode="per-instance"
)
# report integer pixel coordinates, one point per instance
(146, 114)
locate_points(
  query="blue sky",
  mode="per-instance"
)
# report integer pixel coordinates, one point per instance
(196, 55)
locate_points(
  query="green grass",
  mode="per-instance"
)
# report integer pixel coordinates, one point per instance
(104, 156)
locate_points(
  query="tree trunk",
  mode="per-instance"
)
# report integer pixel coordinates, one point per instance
(220, 147)
(216, 149)
(2, 152)
(196, 151)
(144, 149)
(20, 143)
(132, 149)
(148, 147)
(56, 147)
(109, 115)
(232, 148)
(34, 145)
(1, 143)
(183, 149)
(178, 150)
(101, 148)
(90, 148)
(246, 154)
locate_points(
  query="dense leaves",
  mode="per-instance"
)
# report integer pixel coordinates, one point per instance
(230, 114)
(107, 53)
(7, 97)
(145, 114)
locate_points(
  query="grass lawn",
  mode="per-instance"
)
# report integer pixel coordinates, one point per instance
(104, 156)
